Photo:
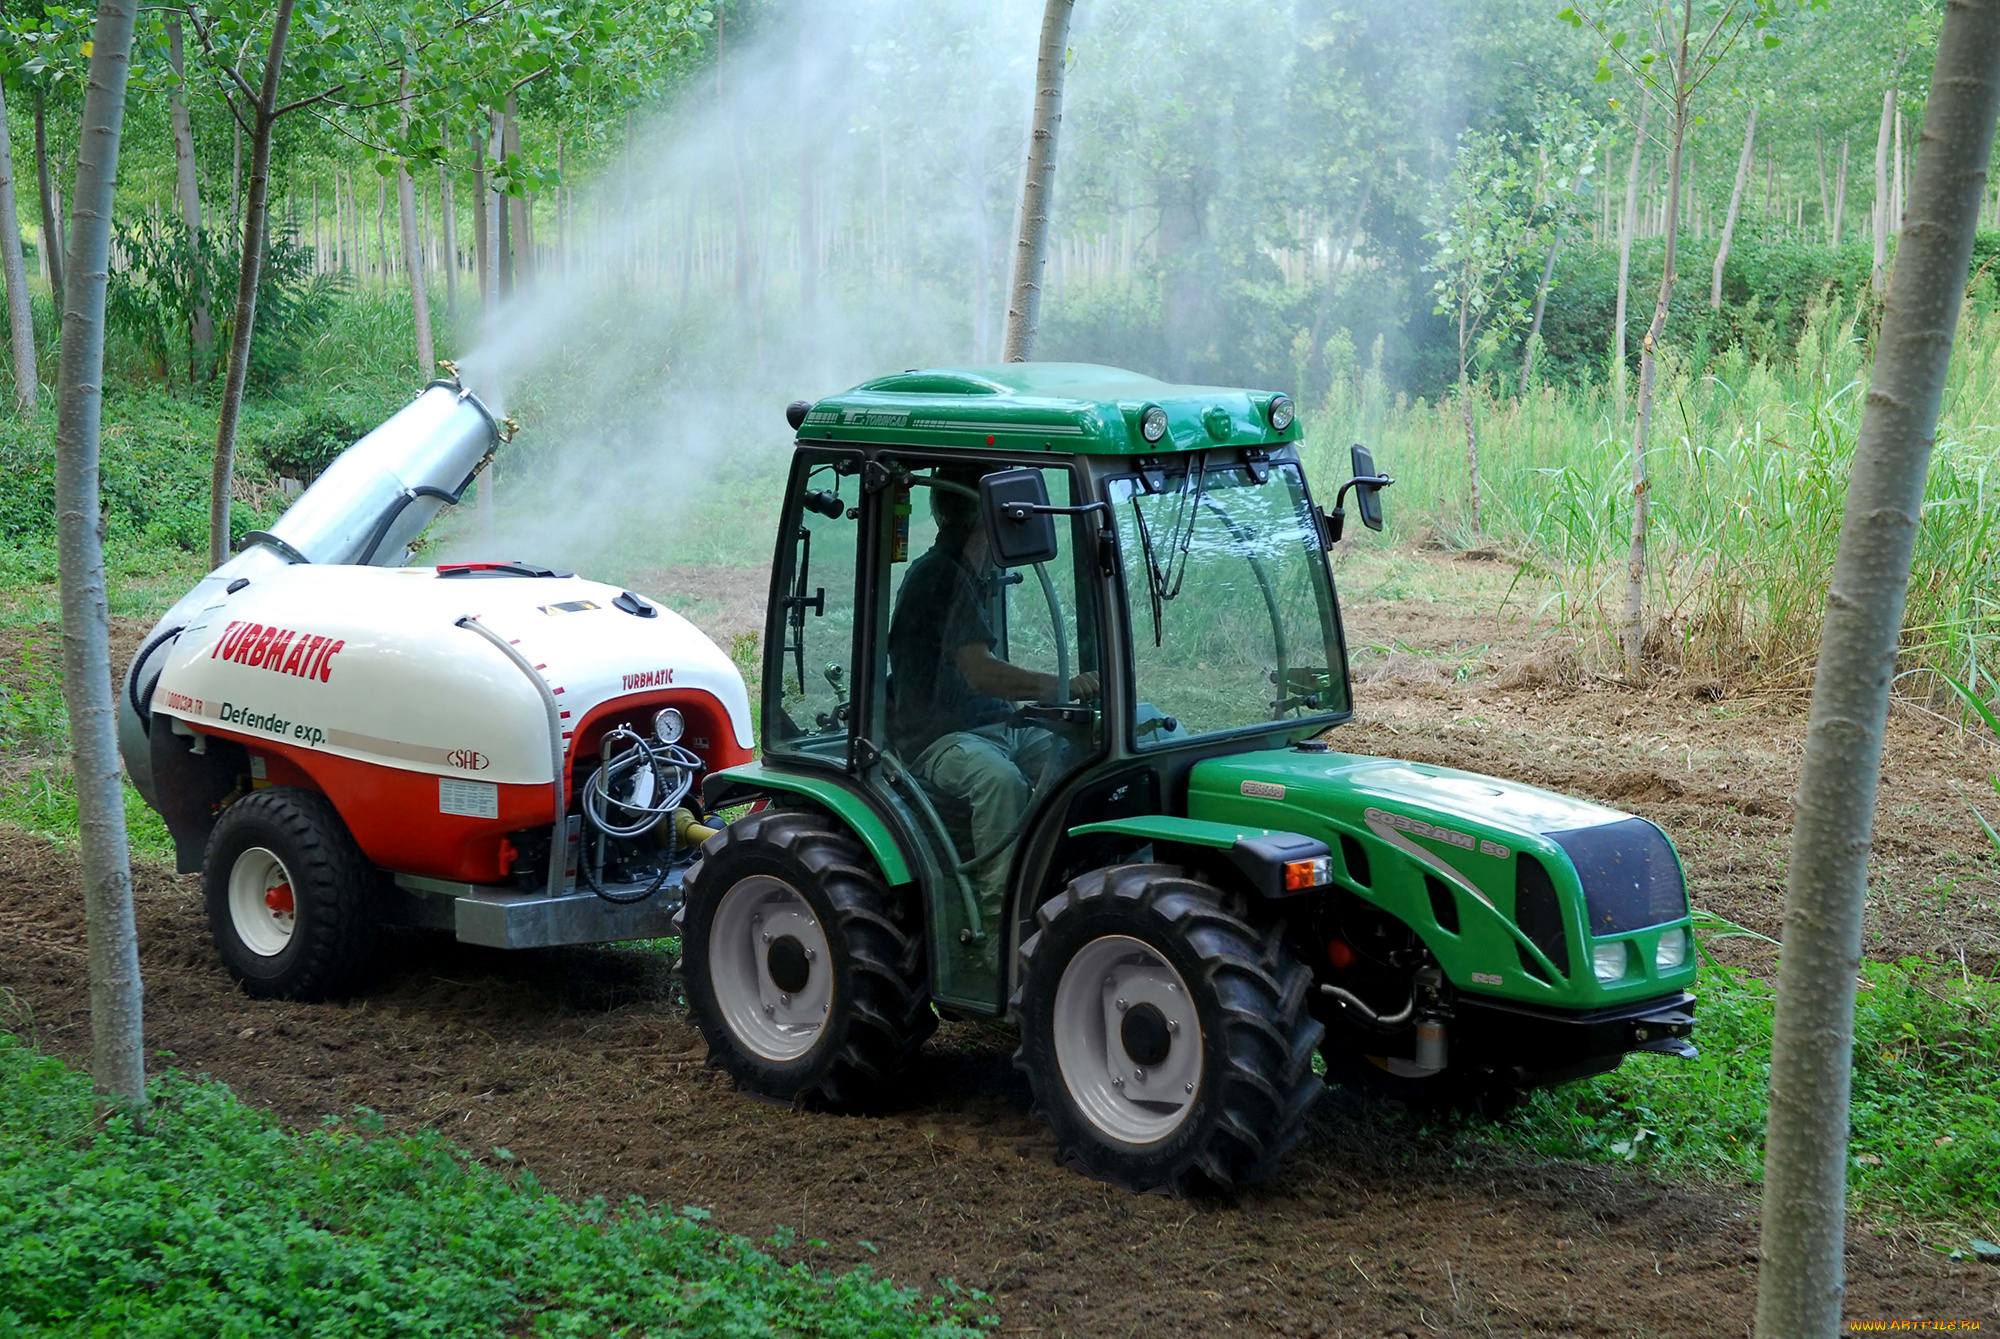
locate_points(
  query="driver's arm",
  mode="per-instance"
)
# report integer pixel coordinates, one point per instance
(987, 673)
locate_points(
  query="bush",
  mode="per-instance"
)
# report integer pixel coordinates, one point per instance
(308, 445)
(218, 1221)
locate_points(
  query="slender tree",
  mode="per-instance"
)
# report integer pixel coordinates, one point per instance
(1800, 1287)
(118, 1054)
(52, 237)
(20, 315)
(262, 104)
(1628, 224)
(187, 192)
(1735, 207)
(413, 262)
(1024, 305)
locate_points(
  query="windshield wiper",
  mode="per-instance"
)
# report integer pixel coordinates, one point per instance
(1180, 536)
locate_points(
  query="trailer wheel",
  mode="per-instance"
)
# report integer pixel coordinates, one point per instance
(1168, 1043)
(289, 896)
(805, 982)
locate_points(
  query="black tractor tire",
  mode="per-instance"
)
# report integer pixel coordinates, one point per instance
(875, 984)
(328, 950)
(1256, 1034)
(1456, 1089)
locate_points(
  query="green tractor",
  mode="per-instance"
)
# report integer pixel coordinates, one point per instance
(1050, 655)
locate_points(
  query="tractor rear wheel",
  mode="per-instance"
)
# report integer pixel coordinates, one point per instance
(290, 897)
(805, 981)
(1167, 1041)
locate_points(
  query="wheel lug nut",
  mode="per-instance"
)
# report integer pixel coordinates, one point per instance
(767, 936)
(785, 999)
(1190, 1087)
(812, 955)
(1122, 1006)
(1109, 982)
(1118, 1082)
(770, 1011)
(1139, 1074)
(1174, 1027)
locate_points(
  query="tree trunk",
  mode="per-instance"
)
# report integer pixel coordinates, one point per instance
(255, 211)
(809, 241)
(448, 222)
(1635, 563)
(1825, 200)
(1896, 190)
(20, 315)
(187, 190)
(1880, 274)
(118, 1052)
(521, 254)
(382, 256)
(1535, 321)
(1627, 223)
(52, 238)
(1465, 405)
(496, 208)
(1840, 192)
(1800, 1286)
(413, 265)
(1735, 207)
(1024, 305)
(479, 203)
(236, 173)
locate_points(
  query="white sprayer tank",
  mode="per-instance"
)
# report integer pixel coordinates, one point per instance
(426, 702)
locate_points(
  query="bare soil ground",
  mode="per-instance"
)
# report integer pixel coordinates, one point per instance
(583, 1063)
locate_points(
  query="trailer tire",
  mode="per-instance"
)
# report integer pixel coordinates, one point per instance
(290, 898)
(1136, 938)
(839, 1000)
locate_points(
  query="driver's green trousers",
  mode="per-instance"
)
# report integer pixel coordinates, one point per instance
(994, 769)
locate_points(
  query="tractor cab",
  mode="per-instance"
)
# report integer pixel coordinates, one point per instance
(1145, 562)
(1049, 652)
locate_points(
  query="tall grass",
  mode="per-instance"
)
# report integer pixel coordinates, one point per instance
(1749, 467)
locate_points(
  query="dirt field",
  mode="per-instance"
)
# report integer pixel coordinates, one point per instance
(583, 1064)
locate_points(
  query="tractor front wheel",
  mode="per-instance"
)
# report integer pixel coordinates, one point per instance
(290, 897)
(1168, 1043)
(804, 980)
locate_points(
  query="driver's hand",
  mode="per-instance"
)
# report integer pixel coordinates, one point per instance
(1083, 687)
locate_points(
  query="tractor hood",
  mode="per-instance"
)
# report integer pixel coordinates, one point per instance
(1513, 887)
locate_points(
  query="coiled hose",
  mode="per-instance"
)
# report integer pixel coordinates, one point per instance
(659, 777)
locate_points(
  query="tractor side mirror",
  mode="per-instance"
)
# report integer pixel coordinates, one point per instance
(1368, 486)
(1020, 524)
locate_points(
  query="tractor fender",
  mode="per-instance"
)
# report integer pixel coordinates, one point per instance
(1259, 854)
(733, 785)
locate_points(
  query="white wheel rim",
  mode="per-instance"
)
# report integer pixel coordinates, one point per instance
(775, 1005)
(263, 905)
(1107, 982)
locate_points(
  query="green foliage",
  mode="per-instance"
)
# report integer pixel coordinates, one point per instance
(1925, 1147)
(307, 445)
(219, 1221)
(151, 299)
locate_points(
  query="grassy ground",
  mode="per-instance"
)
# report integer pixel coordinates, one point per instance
(217, 1221)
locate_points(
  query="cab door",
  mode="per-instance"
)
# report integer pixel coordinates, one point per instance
(948, 760)
(808, 711)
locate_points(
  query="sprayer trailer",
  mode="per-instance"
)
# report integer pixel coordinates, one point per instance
(494, 749)
(1051, 655)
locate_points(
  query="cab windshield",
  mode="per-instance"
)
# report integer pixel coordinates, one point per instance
(1232, 612)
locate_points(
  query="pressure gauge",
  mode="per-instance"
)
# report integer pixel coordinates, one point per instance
(668, 725)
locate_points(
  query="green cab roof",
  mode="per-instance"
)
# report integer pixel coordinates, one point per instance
(1070, 407)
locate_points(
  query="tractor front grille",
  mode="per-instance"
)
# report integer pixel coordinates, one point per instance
(1631, 879)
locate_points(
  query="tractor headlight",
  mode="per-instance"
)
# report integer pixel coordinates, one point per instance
(1608, 961)
(1282, 413)
(1672, 952)
(668, 725)
(1153, 423)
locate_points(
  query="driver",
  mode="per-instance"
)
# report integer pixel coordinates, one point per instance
(954, 697)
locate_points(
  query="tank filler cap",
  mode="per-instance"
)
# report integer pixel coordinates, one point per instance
(796, 411)
(236, 585)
